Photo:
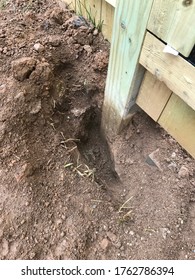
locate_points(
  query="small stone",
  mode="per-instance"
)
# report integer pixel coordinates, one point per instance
(100, 60)
(164, 232)
(58, 222)
(22, 222)
(23, 67)
(32, 255)
(47, 204)
(38, 47)
(183, 172)
(173, 155)
(76, 22)
(105, 227)
(5, 50)
(54, 41)
(172, 166)
(36, 108)
(131, 232)
(188, 159)
(111, 236)
(153, 159)
(129, 161)
(4, 247)
(25, 171)
(78, 112)
(104, 244)
(95, 32)
(71, 41)
(88, 49)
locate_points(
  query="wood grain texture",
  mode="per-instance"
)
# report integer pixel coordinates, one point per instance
(94, 10)
(179, 120)
(80, 7)
(174, 71)
(129, 29)
(153, 96)
(107, 17)
(173, 21)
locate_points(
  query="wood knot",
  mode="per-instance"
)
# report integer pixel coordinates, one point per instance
(187, 3)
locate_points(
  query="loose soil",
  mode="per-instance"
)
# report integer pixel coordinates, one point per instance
(65, 193)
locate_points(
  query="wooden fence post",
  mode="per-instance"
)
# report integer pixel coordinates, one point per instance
(124, 72)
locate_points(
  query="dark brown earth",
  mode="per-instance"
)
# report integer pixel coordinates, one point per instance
(64, 192)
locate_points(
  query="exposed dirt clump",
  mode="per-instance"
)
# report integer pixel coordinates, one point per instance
(65, 193)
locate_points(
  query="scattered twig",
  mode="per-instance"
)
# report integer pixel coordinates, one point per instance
(123, 206)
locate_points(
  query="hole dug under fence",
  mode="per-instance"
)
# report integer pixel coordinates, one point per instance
(90, 155)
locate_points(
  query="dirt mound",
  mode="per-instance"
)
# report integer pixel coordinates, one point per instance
(65, 193)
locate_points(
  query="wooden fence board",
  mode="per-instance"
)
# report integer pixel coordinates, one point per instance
(129, 29)
(173, 21)
(107, 17)
(174, 71)
(153, 96)
(179, 120)
(94, 8)
(80, 7)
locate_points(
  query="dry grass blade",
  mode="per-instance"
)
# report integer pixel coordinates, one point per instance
(71, 140)
(68, 164)
(84, 9)
(124, 205)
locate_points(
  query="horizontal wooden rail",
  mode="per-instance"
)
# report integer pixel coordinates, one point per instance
(173, 21)
(174, 71)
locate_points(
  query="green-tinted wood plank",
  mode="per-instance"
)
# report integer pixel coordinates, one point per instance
(123, 79)
(90, 9)
(174, 71)
(173, 21)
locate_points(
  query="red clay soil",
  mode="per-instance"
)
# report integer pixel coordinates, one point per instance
(64, 192)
